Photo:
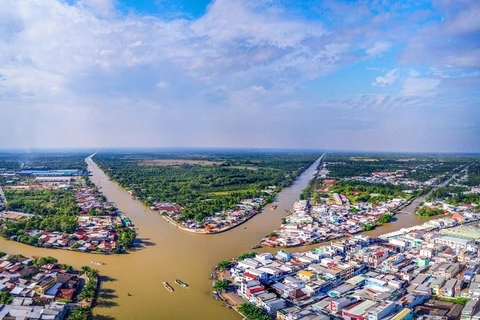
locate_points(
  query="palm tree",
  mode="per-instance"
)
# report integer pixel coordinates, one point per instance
(85, 269)
(67, 268)
(86, 294)
(92, 273)
(80, 313)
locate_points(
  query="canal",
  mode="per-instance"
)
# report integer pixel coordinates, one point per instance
(133, 282)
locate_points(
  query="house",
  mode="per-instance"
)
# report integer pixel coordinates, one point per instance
(42, 286)
(359, 310)
(382, 310)
(306, 276)
(404, 314)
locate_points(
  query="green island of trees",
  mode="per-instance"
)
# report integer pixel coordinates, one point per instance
(204, 182)
(428, 212)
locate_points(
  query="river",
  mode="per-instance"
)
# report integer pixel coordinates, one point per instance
(133, 282)
(167, 253)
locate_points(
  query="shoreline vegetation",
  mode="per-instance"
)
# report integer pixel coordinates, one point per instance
(206, 194)
(205, 232)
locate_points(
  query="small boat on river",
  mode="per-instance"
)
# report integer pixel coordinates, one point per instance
(181, 283)
(216, 295)
(98, 263)
(256, 246)
(167, 286)
(274, 207)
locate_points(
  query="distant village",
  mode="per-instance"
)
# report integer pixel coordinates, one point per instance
(97, 221)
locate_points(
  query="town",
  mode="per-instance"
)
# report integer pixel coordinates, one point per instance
(427, 271)
(61, 209)
(330, 214)
(41, 288)
(431, 271)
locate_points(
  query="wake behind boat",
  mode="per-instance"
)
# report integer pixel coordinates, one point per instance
(167, 286)
(181, 283)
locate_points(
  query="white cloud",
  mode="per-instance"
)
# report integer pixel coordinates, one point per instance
(87, 65)
(102, 8)
(257, 88)
(389, 78)
(378, 48)
(414, 73)
(419, 86)
(161, 84)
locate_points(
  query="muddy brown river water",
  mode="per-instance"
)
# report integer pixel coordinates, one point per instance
(168, 253)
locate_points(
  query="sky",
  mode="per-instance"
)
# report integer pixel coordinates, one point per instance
(344, 75)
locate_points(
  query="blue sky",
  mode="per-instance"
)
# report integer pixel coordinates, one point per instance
(353, 75)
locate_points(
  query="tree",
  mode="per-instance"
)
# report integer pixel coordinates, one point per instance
(252, 312)
(385, 218)
(92, 273)
(247, 255)
(67, 268)
(366, 226)
(38, 262)
(5, 297)
(86, 294)
(80, 313)
(221, 285)
(126, 237)
(85, 269)
(222, 265)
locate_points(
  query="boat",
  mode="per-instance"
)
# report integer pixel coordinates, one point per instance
(256, 246)
(167, 286)
(181, 283)
(274, 207)
(98, 263)
(216, 295)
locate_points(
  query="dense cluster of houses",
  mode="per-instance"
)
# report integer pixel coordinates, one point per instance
(420, 273)
(36, 293)
(219, 221)
(97, 223)
(396, 177)
(323, 222)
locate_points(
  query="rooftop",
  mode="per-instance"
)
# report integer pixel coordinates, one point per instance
(463, 232)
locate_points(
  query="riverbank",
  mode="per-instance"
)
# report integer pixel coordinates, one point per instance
(205, 232)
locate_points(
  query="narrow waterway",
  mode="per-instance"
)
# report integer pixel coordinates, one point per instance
(168, 253)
